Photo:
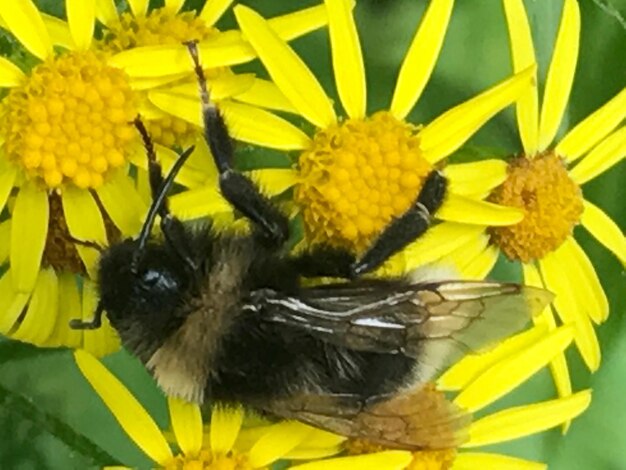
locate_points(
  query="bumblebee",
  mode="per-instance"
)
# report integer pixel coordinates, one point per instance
(217, 317)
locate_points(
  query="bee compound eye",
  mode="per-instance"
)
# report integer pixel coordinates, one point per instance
(153, 279)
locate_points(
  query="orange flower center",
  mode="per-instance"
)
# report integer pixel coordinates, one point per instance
(357, 176)
(205, 460)
(552, 203)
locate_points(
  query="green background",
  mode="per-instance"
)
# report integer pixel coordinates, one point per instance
(50, 418)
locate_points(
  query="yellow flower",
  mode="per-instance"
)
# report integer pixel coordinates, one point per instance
(65, 141)
(480, 380)
(355, 174)
(545, 182)
(224, 444)
(148, 46)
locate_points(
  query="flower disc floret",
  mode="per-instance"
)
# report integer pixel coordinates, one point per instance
(205, 460)
(552, 203)
(69, 122)
(357, 176)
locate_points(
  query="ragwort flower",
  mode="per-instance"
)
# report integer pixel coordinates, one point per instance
(66, 140)
(224, 443)
(355, 174)
(545, 181)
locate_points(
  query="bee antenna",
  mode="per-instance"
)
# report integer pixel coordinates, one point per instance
(158, 203)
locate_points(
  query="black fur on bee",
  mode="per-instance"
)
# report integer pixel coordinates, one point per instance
(217, 317)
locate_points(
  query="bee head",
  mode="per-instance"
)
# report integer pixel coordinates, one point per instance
(143, 295)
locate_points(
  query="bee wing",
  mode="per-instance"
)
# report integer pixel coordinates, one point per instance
(436, 323)
(421, 418)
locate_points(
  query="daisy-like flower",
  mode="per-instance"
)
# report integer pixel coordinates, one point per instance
(66, 144)
(545, 181)
(66, 139)
(148, 46)
(479, 381)
(224, 443)
(355, 174)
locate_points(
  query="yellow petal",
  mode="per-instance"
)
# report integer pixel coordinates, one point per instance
(81, 16)
(471, 366)
(68, 308)
(225, 425)
(5, 240)
(58, 30)
(467, 179)
(450, 130)
(153, 61)
(387, 460)
(122, 203)
(420, 59)
(438, 241)
(266, 94)
(259, 127)
(10, 74)
(221, 87)
(28, 235)
(84, 222)
(521, 421)
(174, 6)
(605, 155)
(128, 412)
(286, 68)
(106, 12)
(523, 54)
(101, 341)
(12, 303)
(280, 439)
(8, 174)
(561, 73)
(213, 10)
(300, 22)
(568, 309)
(24, 21)
(604, 230)
(475, 460)
(462, 209)
(593, 128)
(139, 7)
(198, 202)
(274, 181)
(186, 422)
(347, 58)
(588, 290)
(481, 265)
(41, 315)
(312, 453)
(463, 255)
(558, 366)
(508, 373)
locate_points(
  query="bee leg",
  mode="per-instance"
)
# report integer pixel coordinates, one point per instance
(93, 324)
(236, 188)
(324, 261)
(172, 228)
(406, 228)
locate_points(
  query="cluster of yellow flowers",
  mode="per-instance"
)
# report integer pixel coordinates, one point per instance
(72, 167)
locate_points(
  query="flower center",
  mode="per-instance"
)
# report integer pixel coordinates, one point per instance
(161, 26)
(356, 177)
(60, 252)
(440, 459)
(552, 203)
(69, 123)
(205, 460)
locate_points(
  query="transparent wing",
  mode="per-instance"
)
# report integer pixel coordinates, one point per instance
(436, 323)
